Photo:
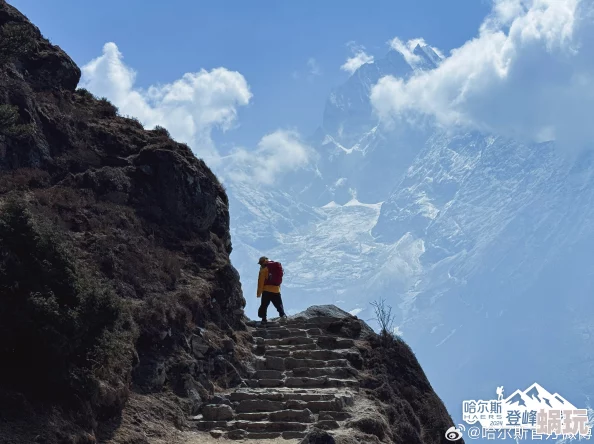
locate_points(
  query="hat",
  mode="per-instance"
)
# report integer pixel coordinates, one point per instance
(262, 260)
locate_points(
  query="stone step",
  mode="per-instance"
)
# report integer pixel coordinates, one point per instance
(309, 346)
(292, 363)
(273, 325)
(268, 374)
(288, 350)
(270, 363)
(291, 340)
(277, 353)
(257, 416)
(269, 383)
(277, 333)
(261, 334)
(293, 395)
(313, 343)
(253, 426)
(327, 425)
(319, 320)
(319, 382)
(333, 372)
(304, 415)
(258, 405)
(353, 357)
(337, 404)
(267, 426)
(289, 363)
(319, 354)
(304, 382)
(242, 434)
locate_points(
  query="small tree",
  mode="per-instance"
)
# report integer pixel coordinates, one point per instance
(385, 319)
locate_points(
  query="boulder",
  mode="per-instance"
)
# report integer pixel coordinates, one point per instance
(317, 436)
(217, 412)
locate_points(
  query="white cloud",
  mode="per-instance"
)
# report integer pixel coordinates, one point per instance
(277, 153)
(359, 58)
(529, 73)
(189, 107)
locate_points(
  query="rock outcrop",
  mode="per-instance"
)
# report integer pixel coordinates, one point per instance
(121, 316)
(119, 308)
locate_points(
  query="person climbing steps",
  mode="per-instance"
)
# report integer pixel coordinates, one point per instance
(270, 279)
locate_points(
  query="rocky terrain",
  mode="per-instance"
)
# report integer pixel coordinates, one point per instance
(121, 315)
(326, 374)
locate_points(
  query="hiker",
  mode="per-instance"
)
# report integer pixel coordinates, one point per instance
(269, 282)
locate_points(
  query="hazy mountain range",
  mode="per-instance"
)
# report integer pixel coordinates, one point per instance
(481, 244)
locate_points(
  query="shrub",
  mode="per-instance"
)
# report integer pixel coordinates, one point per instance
(60, 333)
(9, 126)
(85, 93)
(23, 179)
(8, 116)
(161, 131)
(134, 120)
(385, 319)
(16, 39)
(106, 108)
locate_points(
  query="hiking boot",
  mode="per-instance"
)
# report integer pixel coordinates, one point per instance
(263, 323)
(283, 319)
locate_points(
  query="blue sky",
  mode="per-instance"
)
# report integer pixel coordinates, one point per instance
(268, 42)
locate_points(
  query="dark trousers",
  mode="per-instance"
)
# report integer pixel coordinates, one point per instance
(267, 298)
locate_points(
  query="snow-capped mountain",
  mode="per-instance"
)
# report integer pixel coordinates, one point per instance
(482, 245)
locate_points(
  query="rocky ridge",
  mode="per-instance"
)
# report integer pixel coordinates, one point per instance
(120, 310)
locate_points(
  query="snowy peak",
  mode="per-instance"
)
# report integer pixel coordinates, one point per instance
(429, 58)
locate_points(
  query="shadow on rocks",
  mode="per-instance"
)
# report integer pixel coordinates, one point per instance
(317, 436)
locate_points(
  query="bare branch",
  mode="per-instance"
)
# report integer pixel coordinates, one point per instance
(384, 317)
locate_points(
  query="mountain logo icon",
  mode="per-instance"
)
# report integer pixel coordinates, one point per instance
(536, 397)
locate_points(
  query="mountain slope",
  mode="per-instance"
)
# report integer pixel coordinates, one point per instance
(114, 258)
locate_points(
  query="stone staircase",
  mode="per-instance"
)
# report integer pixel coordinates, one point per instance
(303, 377)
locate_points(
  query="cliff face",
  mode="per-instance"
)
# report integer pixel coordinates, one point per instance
(121, 315)
(115, 279)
